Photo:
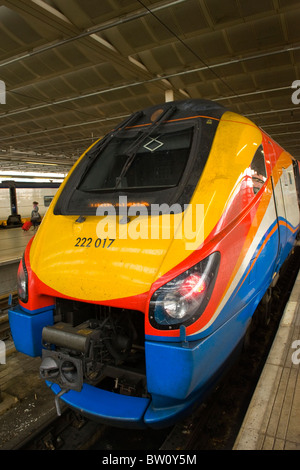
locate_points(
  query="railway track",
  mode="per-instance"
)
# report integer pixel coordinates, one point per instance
(4, 326)
(213, 426)
(70, 431)
(5, 334)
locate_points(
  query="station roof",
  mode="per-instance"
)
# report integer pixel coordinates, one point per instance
(73, 69)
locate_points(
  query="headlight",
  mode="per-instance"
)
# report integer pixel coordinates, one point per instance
(182, 300)
(22, 282)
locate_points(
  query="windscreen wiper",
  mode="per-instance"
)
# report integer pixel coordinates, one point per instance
(131, 188)
(94, 152)
(98, 147)
(132, 150)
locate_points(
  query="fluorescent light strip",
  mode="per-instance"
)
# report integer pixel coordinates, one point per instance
(51, 10)
(42, 163)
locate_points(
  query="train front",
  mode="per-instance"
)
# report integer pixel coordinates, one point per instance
(113, 283)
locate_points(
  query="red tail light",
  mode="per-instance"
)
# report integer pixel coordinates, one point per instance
(183, 299)
(22, 279)
(192, 286)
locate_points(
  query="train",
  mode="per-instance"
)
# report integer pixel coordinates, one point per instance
(16, 200)
(143, 279)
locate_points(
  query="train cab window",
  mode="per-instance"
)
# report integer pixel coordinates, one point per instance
(162, 166)
(158, 163)
(47, 200)
(146, 169)
(258, 170)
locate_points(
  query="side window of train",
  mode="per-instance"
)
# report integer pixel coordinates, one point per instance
(47, 200)
(248, 185)
(297, 177)
(258, 169)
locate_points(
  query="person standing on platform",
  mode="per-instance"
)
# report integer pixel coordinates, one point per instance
(35, 215)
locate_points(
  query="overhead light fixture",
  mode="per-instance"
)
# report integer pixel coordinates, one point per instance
(103, 42)
(137, 63)
(51, 10)
(47, 174)
(42, 163)
(169, 95)
(184, 93)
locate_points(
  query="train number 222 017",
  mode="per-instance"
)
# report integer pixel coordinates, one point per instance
(90, 242)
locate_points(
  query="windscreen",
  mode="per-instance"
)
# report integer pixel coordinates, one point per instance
(157, 167)
(158, 163)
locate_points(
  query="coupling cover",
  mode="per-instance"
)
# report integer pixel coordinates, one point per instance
(68, 337)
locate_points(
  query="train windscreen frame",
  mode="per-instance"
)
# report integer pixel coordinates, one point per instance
(159, 168)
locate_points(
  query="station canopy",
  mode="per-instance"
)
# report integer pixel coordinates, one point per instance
(71, 70)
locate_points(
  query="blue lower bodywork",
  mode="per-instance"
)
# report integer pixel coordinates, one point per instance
(177, 377)
(26, 328)
(179, 373)
(107, 406)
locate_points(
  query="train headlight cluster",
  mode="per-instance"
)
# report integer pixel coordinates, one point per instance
(183, 299)
(22, 281)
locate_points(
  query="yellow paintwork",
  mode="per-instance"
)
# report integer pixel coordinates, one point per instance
(130, 266)
(231, 153)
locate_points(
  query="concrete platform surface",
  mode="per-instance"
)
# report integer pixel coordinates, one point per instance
(272, 421)
(12, 244)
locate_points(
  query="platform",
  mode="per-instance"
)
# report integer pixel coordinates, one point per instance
(12, 245)
(272, 421)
